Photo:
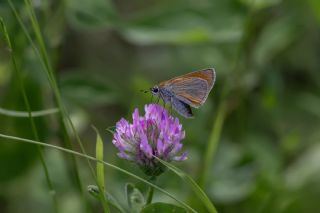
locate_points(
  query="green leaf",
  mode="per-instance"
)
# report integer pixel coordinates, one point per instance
(163, 207)
(194, 186)
(99, 156)
(100, 170)
(134, 197)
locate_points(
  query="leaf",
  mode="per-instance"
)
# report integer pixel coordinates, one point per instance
(162, 207)
(194, 186)
(100, 171)
(99, 156)
(134, 197)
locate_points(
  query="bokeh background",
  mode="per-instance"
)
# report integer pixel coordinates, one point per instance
(261, 120)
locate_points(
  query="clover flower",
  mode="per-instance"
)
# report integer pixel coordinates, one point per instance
(155, 134)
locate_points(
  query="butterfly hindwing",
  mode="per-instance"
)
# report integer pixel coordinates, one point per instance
(181, 107)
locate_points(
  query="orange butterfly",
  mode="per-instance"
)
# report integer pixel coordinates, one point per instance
(187, 90)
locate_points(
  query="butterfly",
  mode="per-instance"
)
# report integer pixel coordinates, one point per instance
(186, 91)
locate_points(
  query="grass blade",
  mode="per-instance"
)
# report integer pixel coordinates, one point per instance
(99, 156)
(213, 142)
(100, 171)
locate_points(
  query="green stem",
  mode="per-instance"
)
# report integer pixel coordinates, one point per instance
(213, 142)
(150, 195)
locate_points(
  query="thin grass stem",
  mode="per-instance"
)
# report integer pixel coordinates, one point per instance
(22, 114)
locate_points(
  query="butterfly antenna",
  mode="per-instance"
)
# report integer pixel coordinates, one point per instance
(144, 91)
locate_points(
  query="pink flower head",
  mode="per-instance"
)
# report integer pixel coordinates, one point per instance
(155, 134)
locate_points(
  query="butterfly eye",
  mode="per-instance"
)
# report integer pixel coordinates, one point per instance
(155, 89)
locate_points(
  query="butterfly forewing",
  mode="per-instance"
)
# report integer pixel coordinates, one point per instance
(193, 91)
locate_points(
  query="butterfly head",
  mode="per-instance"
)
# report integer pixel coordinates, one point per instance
(155, 90)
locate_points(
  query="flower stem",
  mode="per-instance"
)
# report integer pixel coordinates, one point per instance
(150, 195)
(150, 191)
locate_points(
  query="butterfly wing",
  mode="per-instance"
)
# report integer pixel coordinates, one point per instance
(192, 88)
(182, 108)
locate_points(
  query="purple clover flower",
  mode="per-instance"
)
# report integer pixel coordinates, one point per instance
(155, 134)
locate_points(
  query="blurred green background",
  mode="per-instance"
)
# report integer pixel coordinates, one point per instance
(267, 57)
